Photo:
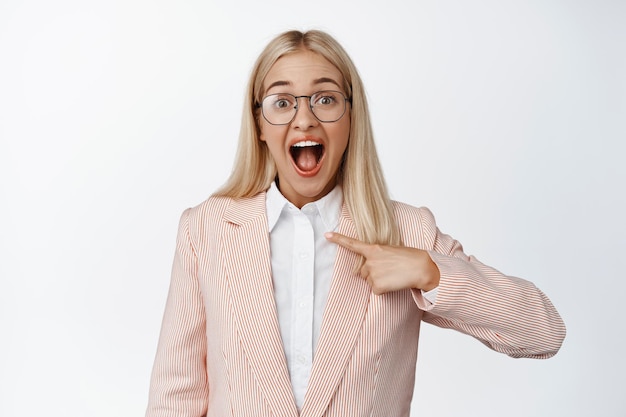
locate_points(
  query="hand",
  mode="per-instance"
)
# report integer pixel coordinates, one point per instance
(391, 268)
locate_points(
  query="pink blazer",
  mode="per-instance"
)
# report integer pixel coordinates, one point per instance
(220, 352)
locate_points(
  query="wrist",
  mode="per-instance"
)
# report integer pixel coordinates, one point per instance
(432, 275)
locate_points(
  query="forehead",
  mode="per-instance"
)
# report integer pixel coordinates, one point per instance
(301, 70)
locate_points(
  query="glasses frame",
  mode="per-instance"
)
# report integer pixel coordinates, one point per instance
(296, 107)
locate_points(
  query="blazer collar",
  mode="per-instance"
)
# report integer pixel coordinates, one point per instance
(345, 310)
(248, 265)
(245, 245)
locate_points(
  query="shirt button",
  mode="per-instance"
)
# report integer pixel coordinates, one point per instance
(301, 359)
(304, 255)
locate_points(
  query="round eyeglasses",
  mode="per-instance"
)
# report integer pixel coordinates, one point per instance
(327, 106)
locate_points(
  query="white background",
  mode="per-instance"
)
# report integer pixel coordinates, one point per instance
(506, 118)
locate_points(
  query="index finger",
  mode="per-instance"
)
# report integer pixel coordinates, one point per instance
(349, 243)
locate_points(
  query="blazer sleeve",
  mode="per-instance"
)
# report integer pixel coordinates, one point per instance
(508, 314)
(179, 385)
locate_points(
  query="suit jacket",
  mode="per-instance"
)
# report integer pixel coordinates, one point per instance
(220, 351)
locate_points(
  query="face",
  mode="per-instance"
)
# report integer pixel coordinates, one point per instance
(307, 152)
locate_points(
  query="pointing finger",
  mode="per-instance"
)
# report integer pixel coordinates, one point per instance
(354, 245)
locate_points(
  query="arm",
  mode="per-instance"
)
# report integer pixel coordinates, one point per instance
(510, 315)
(179, 383)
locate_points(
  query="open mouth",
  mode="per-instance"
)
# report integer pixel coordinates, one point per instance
(307, 155)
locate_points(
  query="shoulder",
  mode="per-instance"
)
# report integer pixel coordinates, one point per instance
(217, 209)
(205, 222)
(212, 208)
(406, 213)
(417, 224)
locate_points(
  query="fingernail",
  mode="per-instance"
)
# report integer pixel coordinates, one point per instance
(328, 235)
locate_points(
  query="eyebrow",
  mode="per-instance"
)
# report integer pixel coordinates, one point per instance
(315, 82)
(326, 80)
(277, 84)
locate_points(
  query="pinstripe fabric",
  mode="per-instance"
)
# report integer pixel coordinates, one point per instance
(220, 352)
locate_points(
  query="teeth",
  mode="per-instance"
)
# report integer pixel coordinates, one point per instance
(305, 143)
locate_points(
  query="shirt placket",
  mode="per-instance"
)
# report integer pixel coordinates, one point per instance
(302, 325)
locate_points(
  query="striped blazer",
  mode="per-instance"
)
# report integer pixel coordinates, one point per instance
(220, 352)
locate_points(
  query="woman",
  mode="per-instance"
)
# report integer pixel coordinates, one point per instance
(299, 287)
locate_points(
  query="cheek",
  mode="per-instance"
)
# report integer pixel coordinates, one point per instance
(266, 131)
(273, 136)
(343, 134)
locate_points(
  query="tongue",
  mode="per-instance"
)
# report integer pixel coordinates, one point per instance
(306, 158)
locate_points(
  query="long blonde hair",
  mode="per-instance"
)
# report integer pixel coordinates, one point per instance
(364, 188)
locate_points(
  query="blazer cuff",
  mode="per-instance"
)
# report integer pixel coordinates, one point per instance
(427, 300)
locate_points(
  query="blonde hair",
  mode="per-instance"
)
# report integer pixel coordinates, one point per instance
(364, 188)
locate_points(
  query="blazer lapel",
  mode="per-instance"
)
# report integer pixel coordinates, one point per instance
(246, 254)
(343, 318)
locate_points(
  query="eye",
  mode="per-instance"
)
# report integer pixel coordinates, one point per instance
(325, 98)
(282, 102)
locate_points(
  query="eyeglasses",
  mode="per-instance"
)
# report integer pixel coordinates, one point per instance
(327, 106)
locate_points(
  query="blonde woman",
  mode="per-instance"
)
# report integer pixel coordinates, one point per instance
(298, 289)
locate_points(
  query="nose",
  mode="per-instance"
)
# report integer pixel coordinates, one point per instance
(304, 118)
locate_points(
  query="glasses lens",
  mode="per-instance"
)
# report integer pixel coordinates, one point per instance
(328, 106)
(279, 109)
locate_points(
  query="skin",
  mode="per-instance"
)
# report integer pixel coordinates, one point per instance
(386, 268)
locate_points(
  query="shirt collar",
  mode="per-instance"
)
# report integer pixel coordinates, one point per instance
(328, 207)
